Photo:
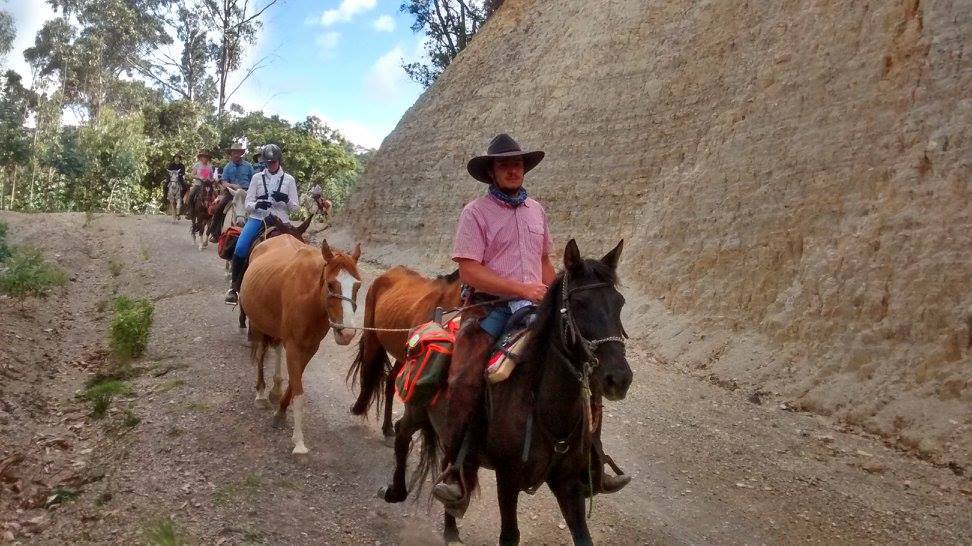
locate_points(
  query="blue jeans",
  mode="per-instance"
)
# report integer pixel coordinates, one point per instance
(494, 323)
(247, 237)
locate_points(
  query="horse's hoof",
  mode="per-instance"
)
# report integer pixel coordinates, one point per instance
(262, 403)
(300, 450)
(391, 496)
(278, 421)
(389, 440)
(455, 543)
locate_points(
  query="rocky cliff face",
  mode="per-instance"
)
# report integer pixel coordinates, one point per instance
(792, 179)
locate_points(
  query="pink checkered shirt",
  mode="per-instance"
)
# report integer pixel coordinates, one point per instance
(509, 241)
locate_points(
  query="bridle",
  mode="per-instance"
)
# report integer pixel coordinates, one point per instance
(331, 294)
(570, 335)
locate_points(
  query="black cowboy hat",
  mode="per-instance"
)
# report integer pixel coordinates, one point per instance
(501, 146)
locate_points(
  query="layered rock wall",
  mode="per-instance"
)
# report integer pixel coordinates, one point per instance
(792, 179)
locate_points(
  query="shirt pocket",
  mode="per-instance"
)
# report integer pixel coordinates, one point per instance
(535, 234)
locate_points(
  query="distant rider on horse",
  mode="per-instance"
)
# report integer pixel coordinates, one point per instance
(271, 195)
(236, 175)
(502, 246)
(314, 203)
(202, 171)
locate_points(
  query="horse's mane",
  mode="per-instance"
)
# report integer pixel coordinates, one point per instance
(543, 327)
(450, 278)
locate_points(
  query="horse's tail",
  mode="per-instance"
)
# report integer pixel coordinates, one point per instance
(370, 367)
(428, 458)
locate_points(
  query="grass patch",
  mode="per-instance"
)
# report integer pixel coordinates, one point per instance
(169, 385)
(24, 272)
(115, 267)
(145, 254)
(162, 532)
(100, 390)
(130, 420)
(61, 495)
(249, 486)
(130, 327)
(198, 407)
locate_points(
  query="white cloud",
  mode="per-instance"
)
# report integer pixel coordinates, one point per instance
(387, 79)
(385, 23)
(29, 16)
(344, 12)
(328, 43)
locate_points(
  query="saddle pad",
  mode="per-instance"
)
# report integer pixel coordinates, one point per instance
(504, 360)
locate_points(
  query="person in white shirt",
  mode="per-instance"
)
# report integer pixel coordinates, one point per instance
(272, 195)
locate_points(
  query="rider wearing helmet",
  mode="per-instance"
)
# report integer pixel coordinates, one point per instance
(271, 195)
(258, 164)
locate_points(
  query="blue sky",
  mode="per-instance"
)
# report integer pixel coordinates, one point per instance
(337, 59)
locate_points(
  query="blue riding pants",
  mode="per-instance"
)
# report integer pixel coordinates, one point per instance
(494, 323)
(248, 236)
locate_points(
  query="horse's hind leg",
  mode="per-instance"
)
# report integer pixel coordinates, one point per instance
(258, 352)
(386, 424)
(276, 392)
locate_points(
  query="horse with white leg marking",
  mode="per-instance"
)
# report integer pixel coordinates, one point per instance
(293, 294)
(174, 194)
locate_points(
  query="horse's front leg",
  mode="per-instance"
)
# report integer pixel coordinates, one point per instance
(508, 493)
(570, 497)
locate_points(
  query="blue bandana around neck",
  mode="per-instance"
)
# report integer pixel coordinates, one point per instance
(511, 200)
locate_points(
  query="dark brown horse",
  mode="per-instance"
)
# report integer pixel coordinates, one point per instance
(398, 299)
(536, 426)
(199, 215)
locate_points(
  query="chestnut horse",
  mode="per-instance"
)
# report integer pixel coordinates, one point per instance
(199, 215)
(294, 293)
(398, 299)
(274, 228)
(537, 426)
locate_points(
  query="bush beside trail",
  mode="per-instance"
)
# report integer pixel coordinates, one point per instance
(23, 271)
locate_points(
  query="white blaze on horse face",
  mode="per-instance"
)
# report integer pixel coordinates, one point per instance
(347, 282)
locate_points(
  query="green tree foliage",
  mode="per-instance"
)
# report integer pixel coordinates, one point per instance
(7, 33)
(139, 105)
(449, 25)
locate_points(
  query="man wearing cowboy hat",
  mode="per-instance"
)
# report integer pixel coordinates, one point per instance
(502, 246)
(236, 175)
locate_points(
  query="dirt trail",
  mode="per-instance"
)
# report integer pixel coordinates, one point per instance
(709, 465)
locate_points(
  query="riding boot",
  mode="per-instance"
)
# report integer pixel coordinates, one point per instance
(599, 479)
(465, 387)
(237, 268)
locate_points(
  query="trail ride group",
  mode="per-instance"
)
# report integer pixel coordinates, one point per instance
(501, 364)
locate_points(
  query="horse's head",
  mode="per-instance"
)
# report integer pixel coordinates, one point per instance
(589, 306)
(238, 204)
(173, 176)
(341, 282)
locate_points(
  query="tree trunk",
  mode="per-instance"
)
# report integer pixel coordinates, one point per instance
(13, 190)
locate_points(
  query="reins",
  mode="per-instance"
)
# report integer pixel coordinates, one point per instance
(454, 310)
(569, 332)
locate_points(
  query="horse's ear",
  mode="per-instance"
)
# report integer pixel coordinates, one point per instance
(612, 258)
(356, 253)
(572, 258)
(326, 251)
